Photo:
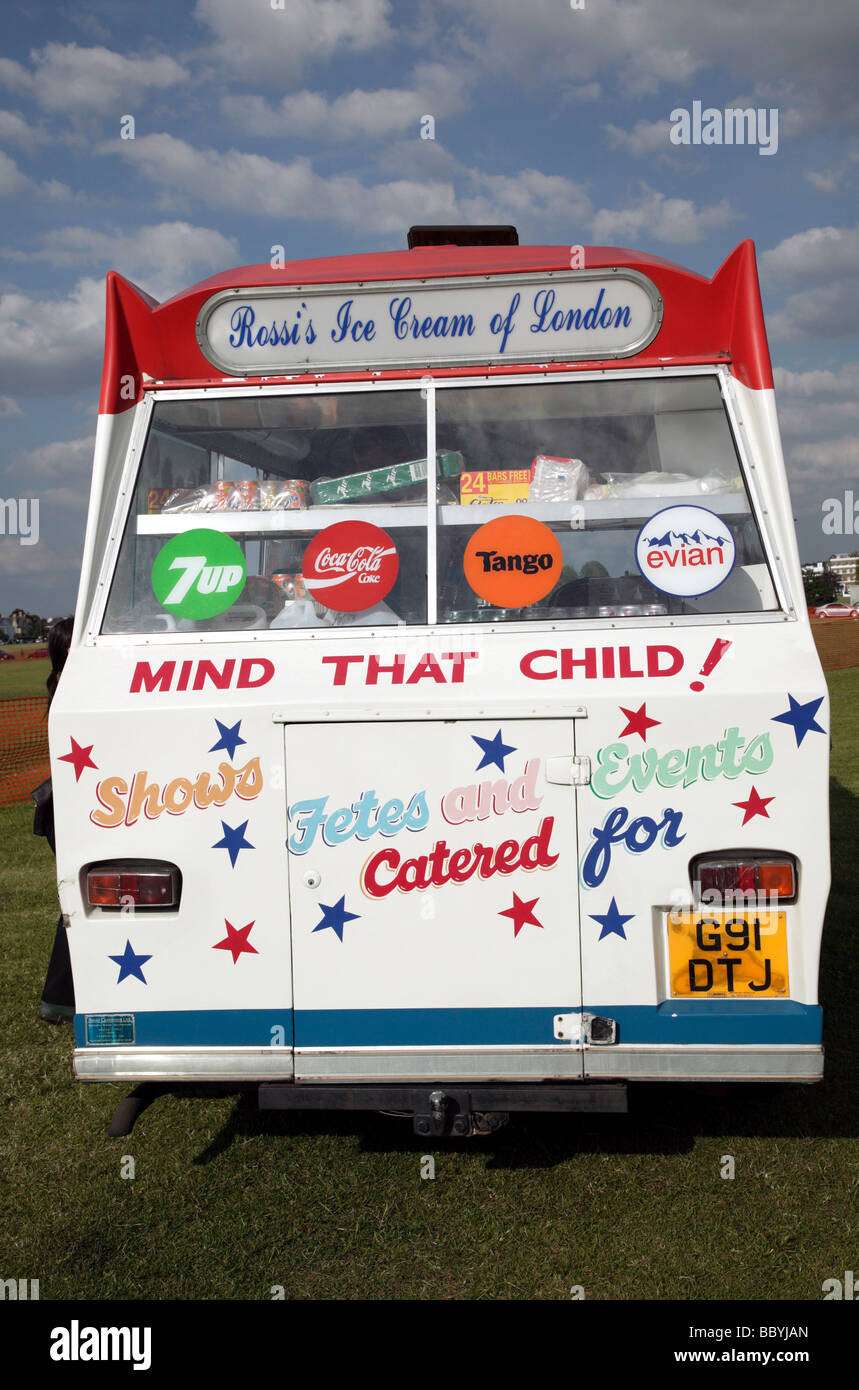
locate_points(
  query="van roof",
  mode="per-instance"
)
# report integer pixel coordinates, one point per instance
(718, 320)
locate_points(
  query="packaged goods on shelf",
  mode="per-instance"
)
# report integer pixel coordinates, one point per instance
(280, 494)
(378, 481)
(495, 485)
(557, 479)
(660, 485)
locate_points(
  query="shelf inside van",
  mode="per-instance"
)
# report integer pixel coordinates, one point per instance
(390, 516)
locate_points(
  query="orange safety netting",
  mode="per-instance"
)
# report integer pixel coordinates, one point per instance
(23, 747)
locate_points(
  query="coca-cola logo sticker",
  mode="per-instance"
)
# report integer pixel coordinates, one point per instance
(350, 566)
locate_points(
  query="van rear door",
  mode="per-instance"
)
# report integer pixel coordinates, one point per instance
(432, 875)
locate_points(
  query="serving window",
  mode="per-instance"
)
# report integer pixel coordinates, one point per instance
(551, 500)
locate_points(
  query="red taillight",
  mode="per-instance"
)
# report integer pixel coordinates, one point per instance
(773, 876)
(117, 887)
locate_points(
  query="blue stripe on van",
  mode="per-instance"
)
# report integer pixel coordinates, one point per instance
(203, 1027)
(705, 1022)
(709, 1021)
(715, 1021)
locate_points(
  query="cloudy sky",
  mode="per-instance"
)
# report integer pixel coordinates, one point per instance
(256, 126)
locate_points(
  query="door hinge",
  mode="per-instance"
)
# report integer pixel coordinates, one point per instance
(581, 771)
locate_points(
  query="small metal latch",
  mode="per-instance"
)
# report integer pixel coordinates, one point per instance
(579, 1029)
(599, 1031)
(571, 772)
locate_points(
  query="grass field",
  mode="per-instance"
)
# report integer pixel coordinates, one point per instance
(226, 1202)
(22, 677)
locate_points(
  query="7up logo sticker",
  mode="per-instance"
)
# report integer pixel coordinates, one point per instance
(198, 574)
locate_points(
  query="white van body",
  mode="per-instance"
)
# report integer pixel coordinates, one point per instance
(464, 836)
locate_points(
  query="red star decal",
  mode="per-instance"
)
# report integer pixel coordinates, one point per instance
(755, 806)
(236, 941)
(520, 913)
(79, 758)
(638, 722)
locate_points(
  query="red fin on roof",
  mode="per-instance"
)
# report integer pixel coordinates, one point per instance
(130, 345)
(738, 290)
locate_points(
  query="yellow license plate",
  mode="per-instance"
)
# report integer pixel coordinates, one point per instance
(726, 955)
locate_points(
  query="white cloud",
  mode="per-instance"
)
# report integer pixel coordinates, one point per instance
(828, 312)
(254, 184)
(837, 458)
(9, 408)
(310, 115)
(12, 181)
(55, 345)
(584, 91)
(254, 40)
(52, 345)
(55, 558)
(251, 182)
(167, 252)
(62, 459)
(15, 77)
(805, 55)
(653, 215)
(825, 180)
(58, 475)
(435, 89)
(820, 266)
(820, 253)
(817, 404)
(646, 137)
(16, 130)
(527, 198)
(814, 384)
(69, 79)
(819, 418)
(59, 192)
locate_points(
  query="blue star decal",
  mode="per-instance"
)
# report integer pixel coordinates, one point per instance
(130, 964)
(336, 917)
(234, 840)
(612, 921)
(801, 718)
(495, 750)
(229, 738)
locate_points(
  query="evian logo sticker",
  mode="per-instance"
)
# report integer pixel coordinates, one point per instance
(685, 551)
(350, 566)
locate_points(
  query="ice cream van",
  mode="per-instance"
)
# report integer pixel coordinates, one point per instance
(443, 730)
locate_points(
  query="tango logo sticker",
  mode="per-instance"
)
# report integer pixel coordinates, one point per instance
(685, 551)
(198, 574)
(513, 561)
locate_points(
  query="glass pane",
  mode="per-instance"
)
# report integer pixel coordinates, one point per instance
(286, 470)
(637, 490)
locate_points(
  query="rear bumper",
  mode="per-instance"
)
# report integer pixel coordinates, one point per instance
(634, 1063)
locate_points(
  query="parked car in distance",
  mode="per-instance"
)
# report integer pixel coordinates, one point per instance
(836, 610)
